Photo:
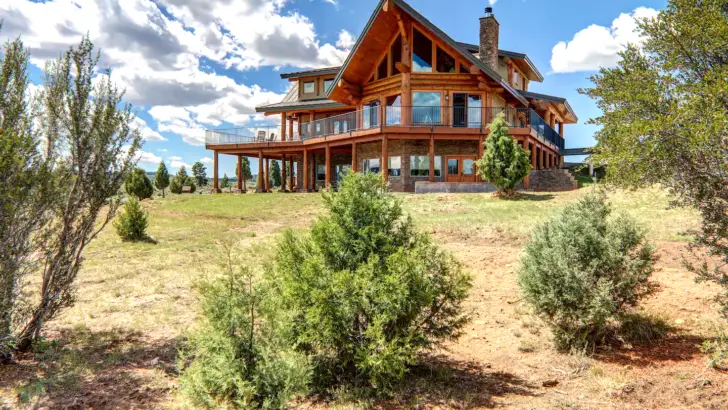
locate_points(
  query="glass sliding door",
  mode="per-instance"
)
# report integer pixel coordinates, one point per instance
(426, 109)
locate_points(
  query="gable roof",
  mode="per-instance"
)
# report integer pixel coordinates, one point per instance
(308, 73)
(552, 99)
(537, 76)
(439, 33)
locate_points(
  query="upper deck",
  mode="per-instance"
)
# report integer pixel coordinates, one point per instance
(390, 120)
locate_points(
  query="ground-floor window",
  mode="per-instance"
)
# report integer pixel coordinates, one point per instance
(420, 166)
(371, 165)
(395, 166)
(320, 172)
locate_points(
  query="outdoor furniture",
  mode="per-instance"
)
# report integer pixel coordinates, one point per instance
(187, 189)
(261, 135)
(272, 137)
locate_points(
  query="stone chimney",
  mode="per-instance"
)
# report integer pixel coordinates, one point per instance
(489, 29)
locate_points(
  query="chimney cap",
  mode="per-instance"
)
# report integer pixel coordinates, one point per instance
(488, 11)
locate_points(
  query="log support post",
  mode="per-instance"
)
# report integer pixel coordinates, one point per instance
(432, 158)
(354, 165)
(283, 126)
(261, 175)
(240, 173)
(527, 180)
(267, 175)
(215, 176)
(283, 173)
(328, 167)
(306, 187)
(384, 166)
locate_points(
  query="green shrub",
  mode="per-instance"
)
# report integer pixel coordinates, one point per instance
(585, 267)
(131, 224)
(236, 358)
(364, 293)
(504, 164)
(717, 350)
(176, 184)
(138, 184)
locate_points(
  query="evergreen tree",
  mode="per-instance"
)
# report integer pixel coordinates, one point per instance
(275, 174)
(200, 173)
(225, 183)
(161, 179)
(138, 184)
(504, 164)
(131, 225)
(180, 180)
(246, 172)
(665, 120)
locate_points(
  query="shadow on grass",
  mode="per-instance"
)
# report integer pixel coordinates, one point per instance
(442, 382)
(528, 196)
(645, 340)
(83, 369)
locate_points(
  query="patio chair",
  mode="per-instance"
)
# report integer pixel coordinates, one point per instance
(261, 135)
(272, 137)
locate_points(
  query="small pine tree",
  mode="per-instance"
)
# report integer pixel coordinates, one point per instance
(246, 173)
(138, 184)
(225, 183)
(364, 292)
(584, 268)
(275, 174)
(200, 173)
(161, 179)
(180, 180)
(504, 164)
(131, 224)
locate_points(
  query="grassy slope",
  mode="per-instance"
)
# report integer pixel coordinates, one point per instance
(136, 300)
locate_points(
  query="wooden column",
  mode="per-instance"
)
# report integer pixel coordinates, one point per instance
(480, 148)
(215, 179)
(283, 173)
(542, 161)
(240, 173)
(261, 174)
(432, 158)
(290, 129)
(328, 167)
(305, 171)
(267, 175)
(534, 164)
(291, 184)
(527, 180)
(283, 126)
(384, 166)
(354, 164)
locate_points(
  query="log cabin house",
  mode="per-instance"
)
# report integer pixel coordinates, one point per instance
(409, 102)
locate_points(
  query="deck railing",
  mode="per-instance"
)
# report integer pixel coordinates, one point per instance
(248, 135)
(392, 116)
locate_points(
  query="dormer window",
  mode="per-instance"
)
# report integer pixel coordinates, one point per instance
(309, 87)
(328, 83)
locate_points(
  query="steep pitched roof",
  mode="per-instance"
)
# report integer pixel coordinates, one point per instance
(434, 29)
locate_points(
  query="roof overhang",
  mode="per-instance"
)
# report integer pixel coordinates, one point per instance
(520, 59)
(311, 73)
(332, 91)
(559, 103)
(299, 106)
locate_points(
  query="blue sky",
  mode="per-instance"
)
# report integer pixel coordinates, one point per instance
(188, 65)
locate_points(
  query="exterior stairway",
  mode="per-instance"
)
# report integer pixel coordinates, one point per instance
(552, 180)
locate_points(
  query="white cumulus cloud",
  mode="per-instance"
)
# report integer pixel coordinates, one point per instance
(598, 46)
(206, 160)
(346, 40)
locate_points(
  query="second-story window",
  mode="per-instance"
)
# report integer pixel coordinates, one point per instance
(309, 87)
(382, 69)
(421, 53)
(394, 110)
(396, 52)
(445, 62)
(516, 81)
(328, 83)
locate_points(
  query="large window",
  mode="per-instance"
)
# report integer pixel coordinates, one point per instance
(394, 110)
(328, 83)
(309, 87)
(395, 166)
(396, 52)
(371, 115)
(370, 165)
(420, 166)
(426, 108)
(445, 62)
(321, 173)
(421, 53)
(382, 69)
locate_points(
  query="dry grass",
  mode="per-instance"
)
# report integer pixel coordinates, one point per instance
(116, 347)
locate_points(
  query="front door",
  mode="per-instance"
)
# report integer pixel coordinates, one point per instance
(460, 168)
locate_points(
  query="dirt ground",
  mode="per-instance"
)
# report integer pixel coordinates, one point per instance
(504, 359)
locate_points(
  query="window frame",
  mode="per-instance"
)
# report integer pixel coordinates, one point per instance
(438, 170)
(319, 166)
(433, 56)
(366, 167)
(390, 169)
(331, 80)
(304, 87)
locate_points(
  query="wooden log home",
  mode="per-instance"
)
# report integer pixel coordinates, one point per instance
(409, 102)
